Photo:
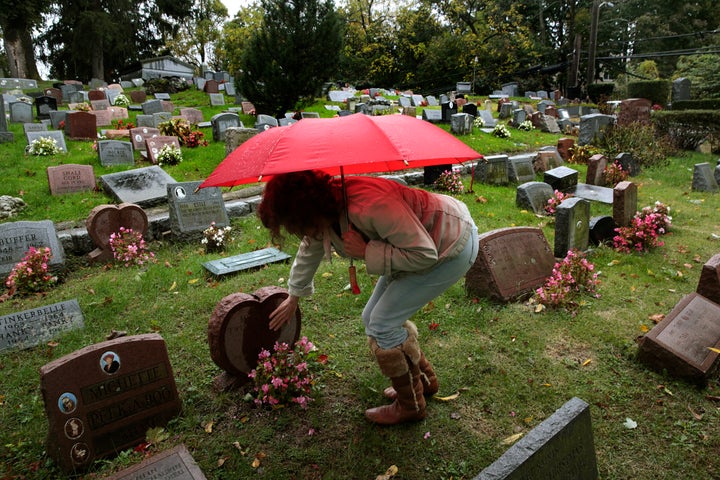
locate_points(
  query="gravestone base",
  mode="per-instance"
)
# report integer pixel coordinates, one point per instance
(6, 137)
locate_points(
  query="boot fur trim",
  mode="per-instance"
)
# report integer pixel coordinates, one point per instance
(393, 362)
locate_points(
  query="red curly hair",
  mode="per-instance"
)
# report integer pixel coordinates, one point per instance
(300, 203)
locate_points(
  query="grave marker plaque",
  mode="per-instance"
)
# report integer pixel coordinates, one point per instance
(533, 196)
(216, 99)
(572, 226)
(709, 283)
(115, 152)
(17, 237)
(173, 464)
(680, 343)
(520, 168)
(20, 112)
(221, 122)
(560, 448)
(138, 136)
(101, 399)
(152, 106)
(238, 330)
(493, 170)
(103, 104)
(103, 118)
(56, 135)
(704, 178)
(32, 327)
(192, 115)
(512, 262)
(146, 187)
(70, 178)
(192, 212)
(81, 125)
(153, 145)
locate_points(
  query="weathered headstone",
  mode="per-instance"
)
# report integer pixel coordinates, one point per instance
(103, 118)
(161, 117)
(512, 262)
(461, 123)
(138, 96)
(602, 230)
(432, 115)
(153, 145)
(58, 118)
(624, 203)
(173, 464)
(520, 168)
(564, 179)
(32, 327)
(681, 343)
(193, 115)
(5, 135)
(709, 283)
(704, 178)
(96, 95)
(595, 171)
(681, 89)
(115, 152)
(488, 120)
(152, 106)
(104, 220)
(533, 196)
(223, 121)
(162, 96)
(118, 113)
(17, 237)
(492, 170)
(572, 226)
(560, 448)
(145, 186)
(594, 193)
(142, 120)
(102, 399)
(20, 112)
(103, 104)
(70, 178)
(245, 261)
(628, 163)
(81, 126)
(235, 136)
(547, 160)
(248, 108)
(593, 126)
(211, 86)
(56, 135)
(191, 210)
(634, 110)
(518, 116)
(138, 136)
(238, 330)
(216, 99)
(34, 127)
(43, 106)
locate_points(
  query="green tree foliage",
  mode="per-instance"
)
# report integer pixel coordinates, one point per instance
(236, 37)
(101, 38)
(703, 71)
(292, 55)
(196, 37)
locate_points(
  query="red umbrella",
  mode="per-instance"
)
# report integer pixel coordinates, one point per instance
(352, 144)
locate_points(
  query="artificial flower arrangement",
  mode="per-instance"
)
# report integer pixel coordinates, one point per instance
(526, 125)
(449, 181)
(553, 202)
(614, 174)
(286, 376)
(43, 147)
(169, 155)
(644, 231)
(571, 278)
(216, 238)
(478, 122)
(501, 131)
(128, 247)
(121, 101)
(31, 274)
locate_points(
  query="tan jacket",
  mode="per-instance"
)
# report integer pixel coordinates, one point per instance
(408, 230)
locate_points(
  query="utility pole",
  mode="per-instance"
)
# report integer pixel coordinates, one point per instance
(592, 48)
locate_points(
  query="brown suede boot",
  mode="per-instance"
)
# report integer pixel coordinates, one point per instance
(401, 365)
(427, 374)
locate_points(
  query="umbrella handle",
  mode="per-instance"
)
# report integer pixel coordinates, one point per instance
(353, 279)
(351, 271)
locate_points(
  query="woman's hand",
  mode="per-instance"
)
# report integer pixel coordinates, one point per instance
(354, 244)
(283, 313)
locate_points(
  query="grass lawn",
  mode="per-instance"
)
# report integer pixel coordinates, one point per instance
(512, 367)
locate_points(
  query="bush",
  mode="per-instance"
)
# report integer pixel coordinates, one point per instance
(657, 91)
(703, 104)
(596, 91)
(648, 148)
(686, 129)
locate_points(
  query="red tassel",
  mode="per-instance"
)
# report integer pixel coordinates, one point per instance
(353, 280)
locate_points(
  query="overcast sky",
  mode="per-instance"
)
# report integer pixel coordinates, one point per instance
(234, 5)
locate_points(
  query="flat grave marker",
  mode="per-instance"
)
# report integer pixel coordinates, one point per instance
(101, 399)
(115, 152)
(17, 237)
(56, 135)
(70, 178)
(192, 211)
(146, 187)
(173, 464)
(30, 328)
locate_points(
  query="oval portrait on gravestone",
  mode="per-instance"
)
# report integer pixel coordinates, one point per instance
(238, 329)
(109, 362)
(67, 402)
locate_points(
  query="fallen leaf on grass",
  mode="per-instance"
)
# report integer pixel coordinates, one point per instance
(657, 318)
(390, 472)
(258, 459)
(221, 461)
(172, 287)
(712, 349)
(448, 398)
(587, 362)
(694, 413)
(208, 426)
(193, 281)
(512, 439)
(240, 449)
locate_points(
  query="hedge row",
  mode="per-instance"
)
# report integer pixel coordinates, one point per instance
(688, 128)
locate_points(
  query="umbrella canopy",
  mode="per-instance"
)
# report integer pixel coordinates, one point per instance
(352, 144)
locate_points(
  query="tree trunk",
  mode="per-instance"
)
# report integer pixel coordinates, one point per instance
(97, 59)
(20, 53)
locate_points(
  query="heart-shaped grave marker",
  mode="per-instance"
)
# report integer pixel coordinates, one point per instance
(104, 220)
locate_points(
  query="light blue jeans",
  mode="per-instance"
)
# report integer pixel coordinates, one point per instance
(394, 301)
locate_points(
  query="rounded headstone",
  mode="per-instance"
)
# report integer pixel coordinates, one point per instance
(238, 329)
(602, 230)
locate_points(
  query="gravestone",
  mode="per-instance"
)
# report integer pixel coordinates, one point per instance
(461, 124)
(310, 114)
(560, 448)
(448, 110)
(245, 261)
(17, 237)
(152, 106)
(161, 117)
(34, 127)
(103, 118)
(145, 121)
(112, 94)
(103, 398)
(30, 328)
(520, 168)
(216, 99)
(78, 97)
(211, 86)
(43, 106)
(506, 110)
(432, 101)
(404, 101)
(235, 136)
(167, 107)
(572, 226)
(139, 135)
(70, 178)
(680, 343)
(681, 89)
(704, 178)
(593, 126)
(146, 187)
(153, 145)
(104, 220)
(21, 112)
(709, 283)
(173, 464)
(118, 113)
(492, 170)
(533, 196)
(223, 121)
(564, 147)
(564, 179)
(518, 116)
(191, 210)
(138, 96)
(5, 134)
(238, 330)
(624, 203)
(81, 126)
(596, 167)
(409, 111)
(634, 110)
(56, 135)
(103, 104)
(162, 96)
(431, 115)
(58, 118)
(96, 95)
(594, 193)
(470, 109)
(432, 173)
(230, 89)
(248, 108)
(192, 115)
(602, 230)
(511, 263)
(628, 163)
(489, 121)
(115, 152)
